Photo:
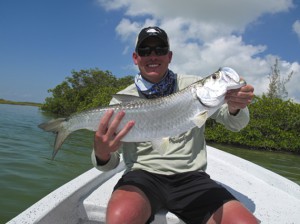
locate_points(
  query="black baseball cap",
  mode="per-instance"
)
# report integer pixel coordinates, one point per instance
(152, 31)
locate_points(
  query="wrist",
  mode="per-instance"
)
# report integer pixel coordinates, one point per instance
(102, 159)
(234, 112)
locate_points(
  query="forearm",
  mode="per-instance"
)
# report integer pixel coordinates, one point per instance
(233, 122)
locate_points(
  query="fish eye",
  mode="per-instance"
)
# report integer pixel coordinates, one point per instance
(214, 76)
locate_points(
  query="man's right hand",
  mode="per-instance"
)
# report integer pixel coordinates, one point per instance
(106, 139)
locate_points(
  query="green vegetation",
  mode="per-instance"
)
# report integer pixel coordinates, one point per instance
(274, 123)
(2, 101)
(84, 90)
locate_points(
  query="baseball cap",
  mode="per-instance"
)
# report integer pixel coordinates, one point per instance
(152, 31)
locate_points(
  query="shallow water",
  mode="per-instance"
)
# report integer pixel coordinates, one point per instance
(27, 172)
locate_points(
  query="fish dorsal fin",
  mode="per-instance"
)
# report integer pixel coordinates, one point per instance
(200, 119)
(161, 145)
(124, 98)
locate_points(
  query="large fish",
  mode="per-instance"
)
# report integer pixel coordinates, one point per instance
(156, 119)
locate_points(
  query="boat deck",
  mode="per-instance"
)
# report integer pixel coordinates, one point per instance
(271, 197)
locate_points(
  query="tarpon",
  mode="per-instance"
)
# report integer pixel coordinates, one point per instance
(156, 119)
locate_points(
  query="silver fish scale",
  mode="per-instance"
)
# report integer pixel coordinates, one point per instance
(163, 117)
(157, 118)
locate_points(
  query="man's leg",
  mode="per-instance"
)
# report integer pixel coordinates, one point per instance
(233, 212)
(128, 204)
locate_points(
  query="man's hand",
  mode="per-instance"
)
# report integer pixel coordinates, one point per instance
(106, 139)
(239, 98)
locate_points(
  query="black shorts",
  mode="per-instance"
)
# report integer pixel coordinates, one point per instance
(192, 196)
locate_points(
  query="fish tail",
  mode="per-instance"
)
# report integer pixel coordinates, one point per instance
(56, 126)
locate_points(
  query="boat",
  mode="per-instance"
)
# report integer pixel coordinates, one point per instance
(269, 196)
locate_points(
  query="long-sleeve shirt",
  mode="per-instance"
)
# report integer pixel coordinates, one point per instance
(186, 152)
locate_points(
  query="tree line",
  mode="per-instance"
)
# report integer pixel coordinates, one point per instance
(84, 90)
(274, 121)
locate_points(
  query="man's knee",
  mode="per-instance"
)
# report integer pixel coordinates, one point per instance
(128, 204)
(233, 212)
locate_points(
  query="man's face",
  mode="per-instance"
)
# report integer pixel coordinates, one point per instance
(152, 67)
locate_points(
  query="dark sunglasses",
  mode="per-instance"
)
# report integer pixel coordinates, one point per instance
(146, 51)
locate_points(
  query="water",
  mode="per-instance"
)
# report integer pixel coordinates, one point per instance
(27, 172)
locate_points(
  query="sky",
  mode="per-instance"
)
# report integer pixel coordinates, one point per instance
(43, 41)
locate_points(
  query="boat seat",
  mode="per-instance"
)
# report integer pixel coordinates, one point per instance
(95, 204)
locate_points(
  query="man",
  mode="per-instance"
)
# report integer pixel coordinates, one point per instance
(175, 181)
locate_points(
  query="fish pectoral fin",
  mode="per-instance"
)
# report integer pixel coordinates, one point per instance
(161, 145)
(200, 119)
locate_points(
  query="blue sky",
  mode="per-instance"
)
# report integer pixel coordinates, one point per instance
(42, 41)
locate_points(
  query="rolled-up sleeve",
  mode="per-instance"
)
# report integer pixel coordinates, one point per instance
(111, 164)
(232, 122)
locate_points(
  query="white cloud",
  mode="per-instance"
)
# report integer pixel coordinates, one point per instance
(205, 35)
(296, 28)
(293, 85)
(235, 13)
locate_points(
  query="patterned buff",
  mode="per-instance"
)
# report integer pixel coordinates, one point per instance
(165, 87)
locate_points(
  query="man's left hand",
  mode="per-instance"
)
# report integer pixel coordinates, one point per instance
(239, 98)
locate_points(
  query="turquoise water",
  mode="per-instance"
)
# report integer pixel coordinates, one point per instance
(27, 172)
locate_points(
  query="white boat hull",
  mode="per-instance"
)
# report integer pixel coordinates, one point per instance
(271, 197)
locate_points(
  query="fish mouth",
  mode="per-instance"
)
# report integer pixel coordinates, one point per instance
(231, 76)
(240, 84)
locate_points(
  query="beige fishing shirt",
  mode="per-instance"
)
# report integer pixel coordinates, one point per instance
(186, 152)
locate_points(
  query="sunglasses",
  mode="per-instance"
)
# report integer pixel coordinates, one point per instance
(146, 51)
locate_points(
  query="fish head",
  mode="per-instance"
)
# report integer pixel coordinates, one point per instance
(214, 87)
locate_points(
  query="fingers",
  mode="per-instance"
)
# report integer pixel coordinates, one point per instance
(102, 129)
(106, 139)
(240, 98)
(111, 131)
(124, 131)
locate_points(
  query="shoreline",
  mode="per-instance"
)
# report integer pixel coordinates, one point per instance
(2, 101)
